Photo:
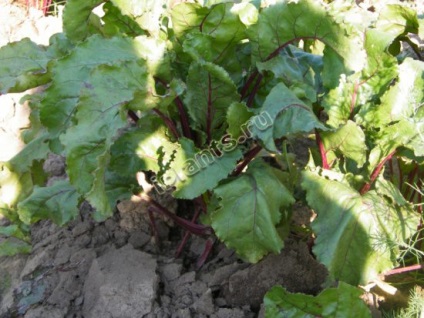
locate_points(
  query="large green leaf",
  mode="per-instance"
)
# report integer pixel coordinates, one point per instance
(397, 19)
(356, 235)
(407, 133)
(195, 171)
(341, 301)
(402, 100)
(282, 114)
(37, 149)
(117, 23)
(251, 207)
(348, 140)
(70, 73)
(58, 202)
(23, 65)
(146, 13)
(78, 20)
(221, 21)
(284, 23)
(210, 91)
(361, 91)
(101, 112)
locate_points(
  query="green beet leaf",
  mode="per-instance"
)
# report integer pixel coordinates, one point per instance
(196, 171)
(69, 74)
(355, 233)
(348, 140)
(58, 203)
(210, 91)
(146, 14)
(117, 23)
(284, 23)
(12, 246)
(408, 133)
(283, 114)
(101, 111)
(341, 301)
(397, 19)
(402, 100)
(78, 20)
(23, 65)
(238, 117)
(251, 207)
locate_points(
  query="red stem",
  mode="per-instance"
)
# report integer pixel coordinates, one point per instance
(276, 51)
(247, 85)
(153, 224)
(133, 116)
(187, 234)
(247, 158)
(367, 186)
(183, 118)
(404, 269)
(202, 259)
(193, 228)
(168, 122)
(181, 111)
(322, 150)
(255, 88)
(353, 100)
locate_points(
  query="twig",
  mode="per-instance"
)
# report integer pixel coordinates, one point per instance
(404, 270)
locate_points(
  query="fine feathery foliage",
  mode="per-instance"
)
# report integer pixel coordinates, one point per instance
(209, 99)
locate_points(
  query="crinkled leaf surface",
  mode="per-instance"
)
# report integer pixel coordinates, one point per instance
(23, 65)
(341, 301)
(251, 207)
(101, 112)
(196, 171)
(283, 114)
(69, 74)
(355, 233)
(58, 203)
(348, 140)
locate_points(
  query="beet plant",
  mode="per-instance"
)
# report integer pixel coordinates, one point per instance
(209, 100)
